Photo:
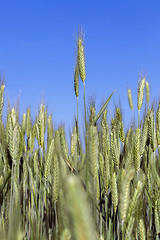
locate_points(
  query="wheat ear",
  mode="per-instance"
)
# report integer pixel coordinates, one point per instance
(130, 99)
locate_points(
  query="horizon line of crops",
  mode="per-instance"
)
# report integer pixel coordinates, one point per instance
(109, 190)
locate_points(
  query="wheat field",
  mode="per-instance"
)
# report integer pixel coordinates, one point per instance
(110, 189)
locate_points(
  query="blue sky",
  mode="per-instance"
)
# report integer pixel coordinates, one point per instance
(37, 52)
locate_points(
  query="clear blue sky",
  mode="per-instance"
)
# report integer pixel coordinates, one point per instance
(37, 52)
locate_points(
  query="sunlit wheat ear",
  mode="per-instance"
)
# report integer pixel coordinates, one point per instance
(31, 138)
(147, 92)
(63, 142)
(14, 136)
(104, 134)
(56, 178)
(81, 223)
(157, 219)
(35, 164)
(81, 57)
(140, 93)
(1, 99)
(125, 193)
(101, 165)
(29, 123)
(158, 124)
(49, 160)
(57, 144)
(24, 123)
(49, 131)
(76, 79)
(114, 147)
(106, 172)
(114, 191)
(121, 132)
(41, 125)
(130, 99)
(93, 151)
(137, 149)
(142, 231)
(74, 141)
(118, 114)
(144, 136)
(92, 115)
(152, 131)
(149, 182)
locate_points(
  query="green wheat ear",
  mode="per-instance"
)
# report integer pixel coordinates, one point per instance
(49, 160)
(50, 131)
(137, 159)
(76, 79)
(14, 136)
(74, 139)
(56, 177)
(29, 123)
(2, 87)
(114, 148)
(144, 136)
(158, 124)
(140, 93)
(125, 193)
(81, 222)
(142, 233)
(147, 92)
(93, 151)
(157, 218)
(130, 99)
(152, 131)
(114, 191)
(81, 57)
(41, 125)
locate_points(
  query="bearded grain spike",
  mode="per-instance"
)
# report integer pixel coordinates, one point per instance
(93, 151)
(125, 193)
(24, 123)
(63, 142)
(49, 131)
(137, 159)
(152, 131)
(106, 173)
(157, 219)
(81, 58)
(121, 132)
(158, 124)
(142, 231)
(74, 141)
(147, 92)
(29, 123)
(76, 79)
(144, 136)
(140, 93)
(56, 178)
(115, 153)
(2, 87)
(114, 191)
(130, 99)
(49, 160)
